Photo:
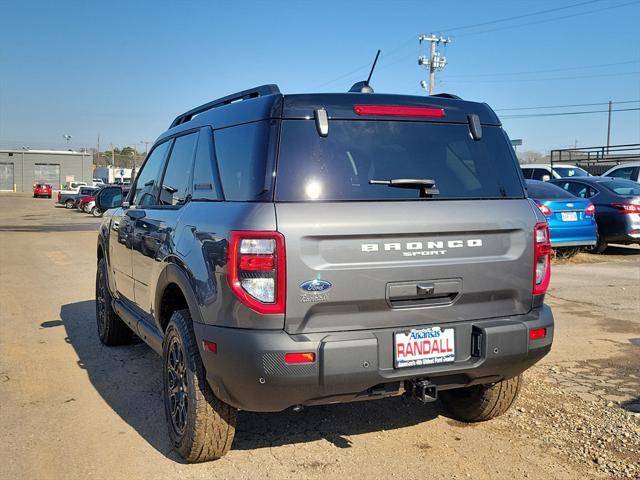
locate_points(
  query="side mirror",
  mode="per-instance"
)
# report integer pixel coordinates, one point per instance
(109, 197)
(546, 178)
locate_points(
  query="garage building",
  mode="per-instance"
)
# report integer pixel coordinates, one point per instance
(20, 169)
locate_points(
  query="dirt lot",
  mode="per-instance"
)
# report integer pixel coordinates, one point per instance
(72, 409)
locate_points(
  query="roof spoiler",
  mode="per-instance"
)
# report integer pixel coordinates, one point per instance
(256, 92)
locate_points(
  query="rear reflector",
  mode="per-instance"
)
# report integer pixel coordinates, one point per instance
(397, 111)
(306, 357)
(210, 346)
(537, 333)
(256, 263)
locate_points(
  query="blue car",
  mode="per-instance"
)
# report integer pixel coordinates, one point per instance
(571, 219)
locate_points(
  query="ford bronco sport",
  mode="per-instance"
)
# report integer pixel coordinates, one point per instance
(290, 250)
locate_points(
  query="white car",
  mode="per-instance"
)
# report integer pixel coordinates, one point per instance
(91, 208)
(543, 171)
(628, 171)
(97, 182)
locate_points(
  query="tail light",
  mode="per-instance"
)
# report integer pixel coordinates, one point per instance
(537, 333)
(590, 210)
(544, 209)
(257, 270)
(397, 111)
(541, 258)
(58, 196)
(626, 207)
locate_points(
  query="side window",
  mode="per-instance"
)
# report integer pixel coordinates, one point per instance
(526, 172)
(175, 183)
(539, 173)
(626, 172)
(205, 175)
(242, 152)
(145, 189)
(578, 189)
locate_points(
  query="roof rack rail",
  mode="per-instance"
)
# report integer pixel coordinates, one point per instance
(260, 91)
(447, 95)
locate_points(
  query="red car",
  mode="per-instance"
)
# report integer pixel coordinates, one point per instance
(42, 190)
(84, 201)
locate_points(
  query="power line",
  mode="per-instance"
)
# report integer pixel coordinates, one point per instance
(544, 71)
(558, 114)
(547, 19)
(517, 17)
(546, 79)
(565, 106)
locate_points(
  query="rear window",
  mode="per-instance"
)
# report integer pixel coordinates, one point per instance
(622, 187)
(338, 167)
(545, 191)
(565, 172)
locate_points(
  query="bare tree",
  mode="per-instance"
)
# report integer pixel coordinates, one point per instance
(530, 156)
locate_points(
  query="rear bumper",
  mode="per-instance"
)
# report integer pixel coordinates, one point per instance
(248, 370)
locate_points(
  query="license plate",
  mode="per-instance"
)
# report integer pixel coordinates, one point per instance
(569, 216)
(424, 346)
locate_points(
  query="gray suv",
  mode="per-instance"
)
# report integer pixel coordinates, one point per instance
(291, 250)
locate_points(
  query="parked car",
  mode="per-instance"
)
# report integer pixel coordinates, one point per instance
(97, 182)
(627, 171)
(83, 201)
(544, 172)
(617, 204)
(91, 209)
(338, 275)
(73, 186)
(69, 198)
(42, 190)
(571, 219)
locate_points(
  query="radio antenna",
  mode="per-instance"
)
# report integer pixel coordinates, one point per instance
(373, 67)
(363, 86)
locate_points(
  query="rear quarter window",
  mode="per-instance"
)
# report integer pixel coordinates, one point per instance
(245, 160)
(339, 167)
(546, 191)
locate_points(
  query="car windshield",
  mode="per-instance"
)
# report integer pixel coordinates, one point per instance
(571, 172)
(546, 191)
(622, 187)
(339, 167)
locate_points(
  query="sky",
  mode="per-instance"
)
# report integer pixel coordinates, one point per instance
(122, 70)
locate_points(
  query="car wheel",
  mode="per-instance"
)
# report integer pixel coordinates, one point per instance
(599, 247)
(201, 426)
(111, 329)
(96, 212)
(481, 402)
(68, 204)
(567, 252)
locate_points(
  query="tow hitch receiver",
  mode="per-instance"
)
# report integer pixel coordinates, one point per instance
(423, 390)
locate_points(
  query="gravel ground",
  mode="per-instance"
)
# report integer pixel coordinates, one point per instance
(72, 409)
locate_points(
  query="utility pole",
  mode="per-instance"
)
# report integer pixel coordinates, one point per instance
(113, 156)
(609, 126)
(434, 61)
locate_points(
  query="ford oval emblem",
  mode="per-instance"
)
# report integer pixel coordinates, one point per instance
(570, 205)
(315, 285)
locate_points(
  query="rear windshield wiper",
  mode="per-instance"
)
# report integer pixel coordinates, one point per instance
(427, 186)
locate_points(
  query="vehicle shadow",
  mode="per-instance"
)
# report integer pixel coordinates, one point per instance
(129, 380)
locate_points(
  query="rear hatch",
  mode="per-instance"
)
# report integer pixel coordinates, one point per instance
(362, 256)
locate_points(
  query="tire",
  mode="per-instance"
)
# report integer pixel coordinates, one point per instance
(567, 252)
(599, 247)
(96, 212)
(68, 204)
(111, 329)
(481, 402)
(201, 427)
